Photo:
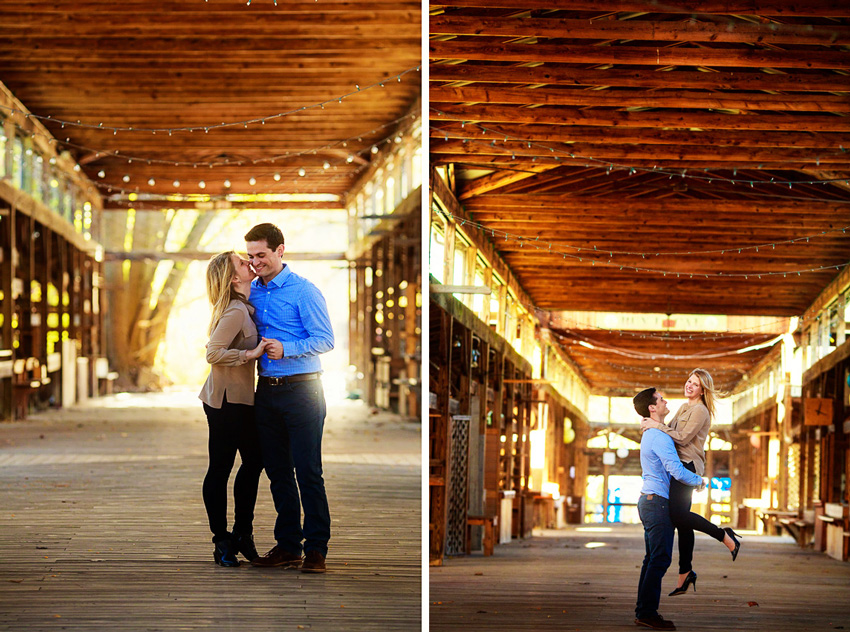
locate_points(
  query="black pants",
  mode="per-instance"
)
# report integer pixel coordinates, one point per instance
(232, 429)
(686, 522)
(291, 420)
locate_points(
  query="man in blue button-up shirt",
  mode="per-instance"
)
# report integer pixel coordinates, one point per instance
(659, 461)
(292, 317)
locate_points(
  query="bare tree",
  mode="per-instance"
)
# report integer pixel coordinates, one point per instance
(135, 324)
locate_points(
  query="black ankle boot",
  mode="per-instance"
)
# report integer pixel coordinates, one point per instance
(244, 543)
(225, 552)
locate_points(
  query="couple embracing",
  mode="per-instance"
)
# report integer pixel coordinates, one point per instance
(263, 312)
(672, 459)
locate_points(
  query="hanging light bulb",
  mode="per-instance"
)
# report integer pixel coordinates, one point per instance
(326, 165)
(202, 185)
(101, 174)
(126, 178)
(176, 183)
(252, 181)
(302, 172)
(151, 182)
(277, 177)
(350, 158)
(374, 149)
(227, 184)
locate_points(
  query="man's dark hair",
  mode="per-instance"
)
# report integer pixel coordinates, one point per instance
(644, 400)
(266, 232)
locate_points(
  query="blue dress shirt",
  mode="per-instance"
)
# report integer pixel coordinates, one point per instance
(659, 461)
(291, 309)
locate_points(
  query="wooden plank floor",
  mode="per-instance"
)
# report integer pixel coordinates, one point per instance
(585, 580)
(103, 528)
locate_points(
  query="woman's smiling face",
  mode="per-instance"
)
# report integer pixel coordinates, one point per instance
(693, 388)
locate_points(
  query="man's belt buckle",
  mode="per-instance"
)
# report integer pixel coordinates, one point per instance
(289, 379)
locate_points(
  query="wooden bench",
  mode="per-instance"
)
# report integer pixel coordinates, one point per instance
(489, 523)
(800, 528)
(24, 384)
(770, 519)
(835, 523)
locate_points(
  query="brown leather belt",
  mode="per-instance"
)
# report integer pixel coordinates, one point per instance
(288, 379)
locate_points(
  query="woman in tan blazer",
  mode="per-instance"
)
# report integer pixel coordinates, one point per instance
(228, 397)
(689, 430)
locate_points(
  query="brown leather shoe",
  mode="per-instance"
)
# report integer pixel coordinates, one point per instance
(314, 562)
(277, 557)
(656, 623)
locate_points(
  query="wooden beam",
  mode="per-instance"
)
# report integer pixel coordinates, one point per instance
(25, 205)
(479, 50)
(578, 97)
(436, 288)
(194, 255)
(506, 162)
(661, 209)
(618, 136)
(626, 153)
(313, 22)
(113, 205)
(815, 81)
(495, 181)
(691, 29)
(663, 119)
(65, 49)
(806, 8)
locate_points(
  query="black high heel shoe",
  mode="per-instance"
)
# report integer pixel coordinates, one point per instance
(732, 535)
(225, 552)
(690, 578)
(244, 544)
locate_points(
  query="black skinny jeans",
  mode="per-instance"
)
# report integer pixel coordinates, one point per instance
(232, 429)
(686, 522)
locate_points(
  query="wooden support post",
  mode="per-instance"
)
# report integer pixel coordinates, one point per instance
(7, 273)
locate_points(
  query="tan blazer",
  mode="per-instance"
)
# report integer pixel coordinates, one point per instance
(231, 371)
(689, 430)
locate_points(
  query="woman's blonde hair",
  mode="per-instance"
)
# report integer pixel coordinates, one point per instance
(709, 393)
(220, 290)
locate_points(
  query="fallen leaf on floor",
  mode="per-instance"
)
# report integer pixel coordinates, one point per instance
(479, 574)
(752, 603)
(16, 581)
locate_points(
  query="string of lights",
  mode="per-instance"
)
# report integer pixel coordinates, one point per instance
(555, 320)
(358, 89)
(610, 166)
(663, 372)
(99, 153)
(595, 249)
(276, 175)
(723, 352)
(751, 194)
(538, 245)
(668, 335)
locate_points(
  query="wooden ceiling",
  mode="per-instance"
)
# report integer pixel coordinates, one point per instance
(660, 156)
(619, 363)
(262, 68)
